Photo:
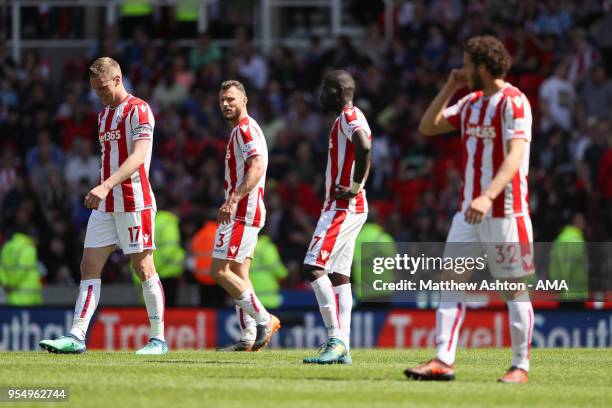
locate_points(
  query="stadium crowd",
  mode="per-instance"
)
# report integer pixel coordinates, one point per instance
(562, 60)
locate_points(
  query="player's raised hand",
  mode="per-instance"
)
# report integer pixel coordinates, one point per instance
(97, 194)
(457, 79)
(478, 208)
(342, 193)
(224, 216)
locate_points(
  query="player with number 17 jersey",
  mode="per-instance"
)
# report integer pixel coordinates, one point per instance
(131, 203)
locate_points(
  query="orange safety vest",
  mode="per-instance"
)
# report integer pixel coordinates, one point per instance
(202, 248)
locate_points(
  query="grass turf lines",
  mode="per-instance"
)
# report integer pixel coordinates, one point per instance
(277, 378)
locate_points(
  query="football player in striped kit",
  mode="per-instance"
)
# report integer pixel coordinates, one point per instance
(241, 217)
(330, 254)
(123, 209)
(493, 216)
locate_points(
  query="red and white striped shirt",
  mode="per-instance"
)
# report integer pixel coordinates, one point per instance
(341, 160)
(487, 125)
(118, 129)
(246, 140)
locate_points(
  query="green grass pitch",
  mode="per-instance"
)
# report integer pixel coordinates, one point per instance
(277, 378)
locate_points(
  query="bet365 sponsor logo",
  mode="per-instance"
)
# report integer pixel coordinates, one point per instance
(110, 135)
(483, 132)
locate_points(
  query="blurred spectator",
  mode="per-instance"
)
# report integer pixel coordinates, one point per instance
(19, 273)
(418, 161)
(135, 51)
(434, 50)
(557, 98)
(79, 125)
(582, 58)
(168, 91)
(553, 19)
(602, 34)
(82, 164)
(44, 159)
(201, 247)
(182, 75)
(8, 171)
(8, 95)
(267, 271)
(252, 66)
(596, 95)
(594, 153)
(604, 179)
(204, 54)
(375, 45)
(169, 256)
(569, 260)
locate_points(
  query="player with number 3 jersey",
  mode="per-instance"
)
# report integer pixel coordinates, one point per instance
(241, 217)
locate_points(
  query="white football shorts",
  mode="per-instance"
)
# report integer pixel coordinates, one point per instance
(506, 243)
(235, 241)
(333, 242)
(130, 231)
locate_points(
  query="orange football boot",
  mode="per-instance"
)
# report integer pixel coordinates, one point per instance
(515, 375)
(265, 332)
(433, 370)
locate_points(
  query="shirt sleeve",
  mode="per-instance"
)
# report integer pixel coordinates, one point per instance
(248, 142)
(517, 118)
(353, 122)
(453, 113)
(142, 122)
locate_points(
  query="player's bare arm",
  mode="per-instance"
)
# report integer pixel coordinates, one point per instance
(256, 171)
(481, 204)
(433, 121)
(363, 146)
(125, 171)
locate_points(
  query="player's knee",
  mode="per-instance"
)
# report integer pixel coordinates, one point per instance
(219, 273)
(89, 269)
(338, 279)
(312, 273)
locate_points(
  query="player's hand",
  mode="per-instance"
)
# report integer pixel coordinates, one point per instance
(478, 208)
(342, 193)
(224, 216)
(93, 198)
(457, 80)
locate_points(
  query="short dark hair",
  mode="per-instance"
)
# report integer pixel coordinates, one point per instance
(233, 83)
(489, 51)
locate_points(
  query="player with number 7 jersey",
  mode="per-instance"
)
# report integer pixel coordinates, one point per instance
(329, 258)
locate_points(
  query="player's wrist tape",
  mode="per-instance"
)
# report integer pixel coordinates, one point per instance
(355, 187)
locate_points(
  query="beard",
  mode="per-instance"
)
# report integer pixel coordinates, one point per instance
(231, 116)
(477, 82)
